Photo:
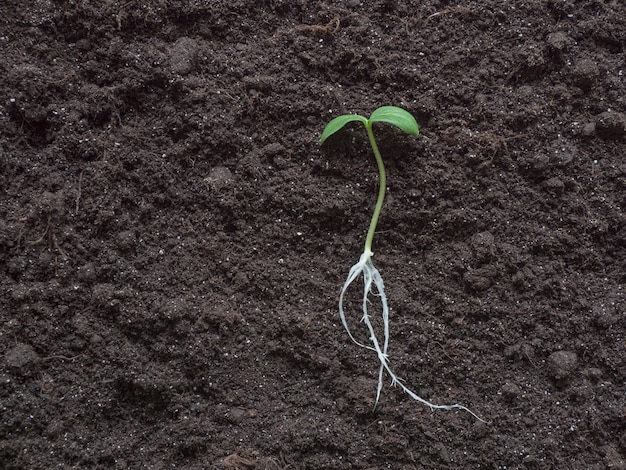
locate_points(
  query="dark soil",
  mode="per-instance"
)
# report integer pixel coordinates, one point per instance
(173, 237)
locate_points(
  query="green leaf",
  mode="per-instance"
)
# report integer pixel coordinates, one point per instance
(337, 123)
(396, 116)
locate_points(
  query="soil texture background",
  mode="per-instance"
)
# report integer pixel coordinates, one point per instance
(173, 238)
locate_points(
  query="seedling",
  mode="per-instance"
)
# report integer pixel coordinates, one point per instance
(373, 282)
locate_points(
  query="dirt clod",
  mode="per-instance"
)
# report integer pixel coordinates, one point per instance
(562, 365)
(21, 358)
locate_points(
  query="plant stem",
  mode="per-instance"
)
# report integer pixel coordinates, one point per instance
(381, 188)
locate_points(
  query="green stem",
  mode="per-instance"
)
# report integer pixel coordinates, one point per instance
(381, 188)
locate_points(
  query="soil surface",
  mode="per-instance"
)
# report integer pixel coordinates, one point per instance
(173, 238)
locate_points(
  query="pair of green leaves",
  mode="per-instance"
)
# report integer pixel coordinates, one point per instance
(389, 114)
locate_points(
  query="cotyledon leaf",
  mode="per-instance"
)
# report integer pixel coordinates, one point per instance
(340, 121)
(396, 116)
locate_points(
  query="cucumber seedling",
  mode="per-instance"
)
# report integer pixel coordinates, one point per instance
(373, 282)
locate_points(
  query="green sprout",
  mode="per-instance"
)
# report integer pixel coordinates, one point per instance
(373, 282)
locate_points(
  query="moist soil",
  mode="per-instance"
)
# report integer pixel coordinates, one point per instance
(174, 238)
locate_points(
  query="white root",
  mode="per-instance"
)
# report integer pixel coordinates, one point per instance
(373, 280)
